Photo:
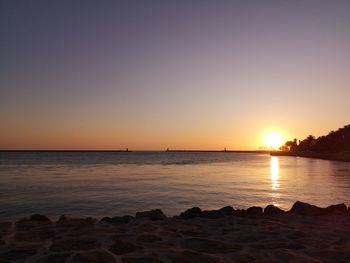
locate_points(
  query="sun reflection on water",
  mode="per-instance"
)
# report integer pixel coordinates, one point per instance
(274, 170)
(274, 167)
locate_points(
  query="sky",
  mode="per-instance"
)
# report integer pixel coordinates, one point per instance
(151, 75)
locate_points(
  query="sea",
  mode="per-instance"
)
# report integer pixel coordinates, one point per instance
(102, 184)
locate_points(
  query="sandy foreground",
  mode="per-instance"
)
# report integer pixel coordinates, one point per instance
(304, 234)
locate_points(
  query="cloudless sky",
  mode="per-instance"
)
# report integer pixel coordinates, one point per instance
(178, 74)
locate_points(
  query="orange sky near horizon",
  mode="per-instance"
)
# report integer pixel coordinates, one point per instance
(54, 138)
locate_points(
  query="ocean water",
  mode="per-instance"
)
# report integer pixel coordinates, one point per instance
(119, 183)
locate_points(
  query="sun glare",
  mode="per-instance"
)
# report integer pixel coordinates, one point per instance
(274, 140)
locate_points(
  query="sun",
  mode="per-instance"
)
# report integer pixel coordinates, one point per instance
(274, 140)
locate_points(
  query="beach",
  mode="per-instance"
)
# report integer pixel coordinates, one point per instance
(305, 233)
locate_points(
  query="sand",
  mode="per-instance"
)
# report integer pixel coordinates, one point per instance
(300, 235)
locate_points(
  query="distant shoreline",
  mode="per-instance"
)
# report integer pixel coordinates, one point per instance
(342, 156)
(124, 151)
(224, 151)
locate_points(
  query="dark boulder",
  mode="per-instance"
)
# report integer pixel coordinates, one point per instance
(273, 210)
(25, 224)
(76, 243)
(146, 259)
(155, 214)
(254, 210)
(117, 220)
(240, 212)
(16, 254)
(36, 234)
(191, 213)
(67, 221)
(5, 226)
(54, 258)
(336, 209)
(148, 238)
(189, 256)
(38, 217)
(306, 209)
(121, 247)
(227, 210)
(211, 214)
(209, 246)
(93, 256)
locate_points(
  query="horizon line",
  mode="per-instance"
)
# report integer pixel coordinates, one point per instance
(130, 150)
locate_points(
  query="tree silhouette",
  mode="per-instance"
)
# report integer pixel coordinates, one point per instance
(334, 142)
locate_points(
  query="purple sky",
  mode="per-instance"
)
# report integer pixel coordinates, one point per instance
(178, 74)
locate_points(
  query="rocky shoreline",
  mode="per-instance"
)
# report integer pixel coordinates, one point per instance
(306, 233)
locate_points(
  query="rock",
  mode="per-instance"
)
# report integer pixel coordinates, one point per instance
(54, 258)
(69, 244)
(117, 220)
(123, 247)
(148, 238)
(142, 260)
(38, 217)
(227, 210)
(120, 236)
(278, 245)
(25, 224)
(191, 213)
(254, 210)
(209, 246)
(306, 209)
(5, 226)
(17, 254)
(147, 228)
(34, 235)
(155, 214)
(286, 255)
(194, 233)
(188, 256)
(169, 234)
(336, 209)
(240, 212)
(211, 214)
(341, 241)
(95, 256)
(79, 232)
(247, 258)
(273, 210)
(67, 221)
(293, 246)
(297, 234)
